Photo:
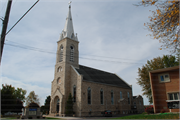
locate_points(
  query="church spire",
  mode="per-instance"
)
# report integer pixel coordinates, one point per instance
(68, 31)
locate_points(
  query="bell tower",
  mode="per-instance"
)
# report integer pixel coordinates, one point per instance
(67, 56)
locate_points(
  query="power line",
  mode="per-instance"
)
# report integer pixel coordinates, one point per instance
(81, 54)
(22, 16)
(68, 55)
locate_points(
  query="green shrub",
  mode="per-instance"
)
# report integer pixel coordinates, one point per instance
(144, 113)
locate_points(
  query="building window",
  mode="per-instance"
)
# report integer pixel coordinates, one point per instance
(89, 95)
(101, 96)
(173, 96)
(112, 98)
(59, 69)
(58, 80)
(164, 77)
(71, 53)
(61, 54)
(128, 98)
(139, 102)
(121, 95)
(74, 93)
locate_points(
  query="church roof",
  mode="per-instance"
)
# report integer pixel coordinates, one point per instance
(98, 76)
(68, 31)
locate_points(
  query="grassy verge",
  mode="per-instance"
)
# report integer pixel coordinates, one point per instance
(156, 116)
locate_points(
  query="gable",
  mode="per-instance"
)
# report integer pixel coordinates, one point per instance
(98, 76)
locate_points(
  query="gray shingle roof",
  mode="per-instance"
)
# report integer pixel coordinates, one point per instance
(98, 76)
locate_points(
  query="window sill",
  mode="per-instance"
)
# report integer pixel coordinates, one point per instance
(164, 81)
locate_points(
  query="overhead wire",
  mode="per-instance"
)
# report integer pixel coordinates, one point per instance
(81, 54)
(22, 17)
(45, 51)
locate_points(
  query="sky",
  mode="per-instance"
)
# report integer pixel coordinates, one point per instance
(111, 33)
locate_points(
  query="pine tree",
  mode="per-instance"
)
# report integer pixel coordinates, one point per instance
(69, 105)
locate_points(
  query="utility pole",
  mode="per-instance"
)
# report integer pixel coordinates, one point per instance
(4, 28)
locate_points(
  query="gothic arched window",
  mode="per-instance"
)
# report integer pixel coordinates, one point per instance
(58, 80)
(61, 54)
(121, 95)
(101, 96)
(112, 98)
(128, 98)
(74, 93)
(72, 35)
(71, 53)
(59, 69)
(89, 95)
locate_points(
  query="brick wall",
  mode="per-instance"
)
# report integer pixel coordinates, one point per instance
(161, 89)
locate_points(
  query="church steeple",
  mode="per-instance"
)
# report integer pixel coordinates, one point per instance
(68, 31)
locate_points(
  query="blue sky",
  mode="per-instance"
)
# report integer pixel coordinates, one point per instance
(110, 31)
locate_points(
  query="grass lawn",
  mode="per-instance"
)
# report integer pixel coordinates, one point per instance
(146, 116)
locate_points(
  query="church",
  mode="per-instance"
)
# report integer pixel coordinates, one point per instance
(93, 90)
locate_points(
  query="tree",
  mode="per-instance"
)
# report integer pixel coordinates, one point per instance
(157, 63)
(8, 100)
(11, 99)
(69, 105)
(20, 94)
(164, 23)
(18, 106)
(32, 98)
(46, 107)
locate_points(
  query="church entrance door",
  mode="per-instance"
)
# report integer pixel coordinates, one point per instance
(57, 106)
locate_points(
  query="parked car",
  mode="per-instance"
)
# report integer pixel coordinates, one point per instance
(107, 113)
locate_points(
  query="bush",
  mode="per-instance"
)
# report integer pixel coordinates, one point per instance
(144, 113)
(149, 109)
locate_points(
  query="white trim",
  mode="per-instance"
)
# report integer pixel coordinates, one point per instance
(152, 91)
(172, 100)
(124, 81)
(75, 70)
(165, 79)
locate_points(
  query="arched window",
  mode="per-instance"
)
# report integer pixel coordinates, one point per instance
(72, 35)
(101, 96)
(58, 80)
(89, 95)
(71, 53)
(121, 95)
(128, 98)
(74, 93)
(59, 69)
(112, 98)
(61, 54)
